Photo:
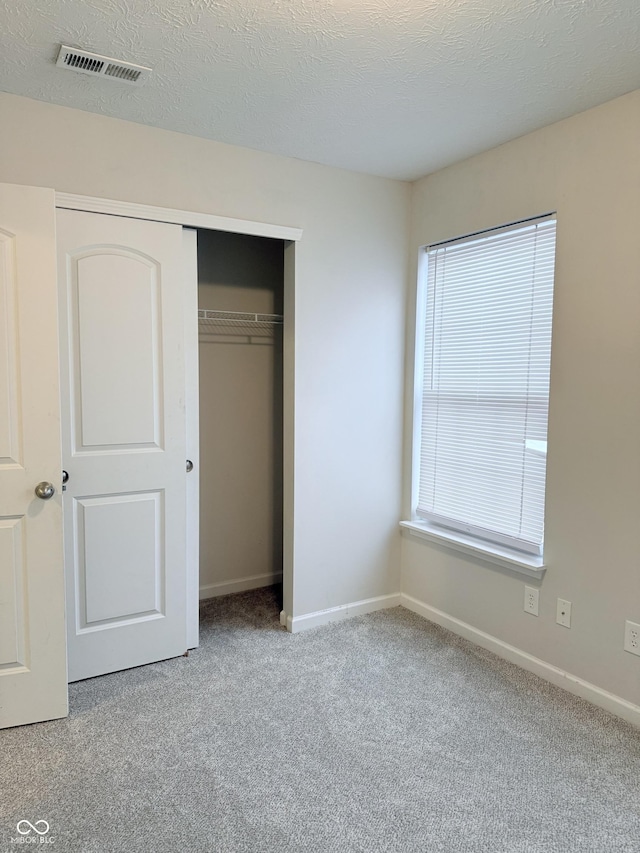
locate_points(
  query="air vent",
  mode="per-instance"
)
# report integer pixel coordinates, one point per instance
(102, 66)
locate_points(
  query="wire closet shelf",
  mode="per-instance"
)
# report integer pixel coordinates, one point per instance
(238, 323)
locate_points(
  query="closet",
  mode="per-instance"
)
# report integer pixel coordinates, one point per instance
(240, 324)
(99, 431)
(146, 308)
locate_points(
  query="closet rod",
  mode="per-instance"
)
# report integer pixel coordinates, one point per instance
(245, 323)
(238, 316)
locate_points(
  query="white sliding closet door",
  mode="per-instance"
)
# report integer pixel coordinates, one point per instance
(122, 330)
(33, 683)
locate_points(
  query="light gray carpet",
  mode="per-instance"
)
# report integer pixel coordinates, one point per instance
(383, 733)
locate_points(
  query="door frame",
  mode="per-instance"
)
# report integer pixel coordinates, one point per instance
(290, 235)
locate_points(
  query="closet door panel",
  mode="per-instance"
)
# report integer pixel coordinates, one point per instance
(120, 559)
(116, 340)
(124, 440)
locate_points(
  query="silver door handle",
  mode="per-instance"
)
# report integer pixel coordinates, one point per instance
(189, 466)
(45, 490)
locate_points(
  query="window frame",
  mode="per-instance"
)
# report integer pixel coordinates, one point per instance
(494, 551)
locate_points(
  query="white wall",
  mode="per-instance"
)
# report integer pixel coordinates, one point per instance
(240, 417)
(349, 312)
(588, 169)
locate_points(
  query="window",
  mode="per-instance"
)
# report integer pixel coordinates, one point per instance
(484, 347)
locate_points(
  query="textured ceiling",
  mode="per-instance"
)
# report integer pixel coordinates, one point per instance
(390, 87)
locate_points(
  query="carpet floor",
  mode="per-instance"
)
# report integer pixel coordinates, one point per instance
(381, 733)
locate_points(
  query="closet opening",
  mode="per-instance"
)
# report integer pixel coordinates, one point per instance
(240, 348)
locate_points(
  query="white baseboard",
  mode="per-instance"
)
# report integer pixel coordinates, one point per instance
(596, 695)
(343, 611)
(212, 590)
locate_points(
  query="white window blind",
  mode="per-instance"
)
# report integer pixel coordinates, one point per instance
(485, 384)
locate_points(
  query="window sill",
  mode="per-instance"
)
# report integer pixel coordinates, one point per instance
(514, 561)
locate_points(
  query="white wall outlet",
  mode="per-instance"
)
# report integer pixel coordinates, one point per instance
(632, 637)
(563, 613)
(531, 600)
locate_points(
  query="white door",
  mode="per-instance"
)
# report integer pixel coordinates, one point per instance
(121, 286)
(33, 670)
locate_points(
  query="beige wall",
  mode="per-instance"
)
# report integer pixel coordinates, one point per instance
(588, 169)
(349, 313)
(240, 417)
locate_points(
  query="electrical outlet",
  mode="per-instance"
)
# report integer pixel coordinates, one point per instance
(563, 613)
(632, 638)
(531, 600)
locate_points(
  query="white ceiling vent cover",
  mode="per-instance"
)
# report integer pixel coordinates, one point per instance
(103, 66)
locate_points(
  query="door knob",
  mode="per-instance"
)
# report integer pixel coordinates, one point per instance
(189, 466)
(45, 490)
